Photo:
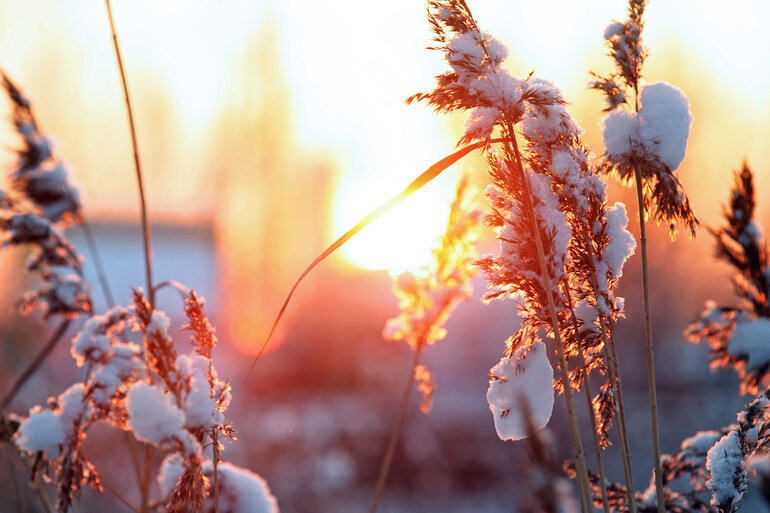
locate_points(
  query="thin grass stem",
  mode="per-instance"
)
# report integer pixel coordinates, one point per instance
(101, 275)
(35, 364)
(620, 411)
(648, 336)
(577, 444)
(215, 461)
(114, 490)
(394, 435)
(7, 432)
(607, 328)
(589, 401)
(417, 184)
(146, 235)
(16, 485)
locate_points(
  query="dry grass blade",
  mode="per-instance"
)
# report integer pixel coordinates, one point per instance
(147, 238)
(428, 175)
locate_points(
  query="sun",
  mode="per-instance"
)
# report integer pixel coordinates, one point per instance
(403, 237)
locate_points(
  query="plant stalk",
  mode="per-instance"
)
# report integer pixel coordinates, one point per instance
(648, 335)
(589, 401)
(35, 364)
(146, 235)
(608, 339)
(394, 435)
(577, 445)
(215, 458)
(7, 432)
(101, 275)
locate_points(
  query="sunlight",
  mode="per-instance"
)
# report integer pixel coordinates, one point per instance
(400, 239)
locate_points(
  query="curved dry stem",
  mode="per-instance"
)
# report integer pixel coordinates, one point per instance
(417, 184)
(391, 450)
(146, 235)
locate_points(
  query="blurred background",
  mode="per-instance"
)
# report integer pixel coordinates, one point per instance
(268, 128)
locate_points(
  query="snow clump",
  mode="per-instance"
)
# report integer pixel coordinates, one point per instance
(521, 383)
(659, 131)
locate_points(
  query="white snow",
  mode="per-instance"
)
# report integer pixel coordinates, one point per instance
(200, 405)
(528, 380)
(751, 340)
(72, 406)
(622, 243)
(699, 445)
(666, 119)
(152, 414)
(159, 322)
(613, 29)
(170, 471)
(659, 131)
(481, 123)
(620, 128)
(725, 466)
(242, 491)
(41, 431)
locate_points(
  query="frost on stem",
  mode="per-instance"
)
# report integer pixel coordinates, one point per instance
(739, 336)
(428, 297)
(550, 180)
(652, 133)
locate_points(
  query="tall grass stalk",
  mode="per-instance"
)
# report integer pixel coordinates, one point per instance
(607, 329)
(97, 259)
(394, 435)
(146, 235)
(577, 444)
(620, 425)
(648, 335)
(8, 433)
(589, 399)
(16, 485)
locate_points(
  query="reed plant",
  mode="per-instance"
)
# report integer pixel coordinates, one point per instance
(562, 248)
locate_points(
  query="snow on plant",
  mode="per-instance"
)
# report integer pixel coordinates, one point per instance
(561, 246)
(136, 383)
(174, 402)
(427, 298)
(646, 126)
(518, 380)
(41, 202)
(739, 336)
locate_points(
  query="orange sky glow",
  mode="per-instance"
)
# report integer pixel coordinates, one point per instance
(285, 121)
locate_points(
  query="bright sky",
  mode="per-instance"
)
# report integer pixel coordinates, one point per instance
(350, 65)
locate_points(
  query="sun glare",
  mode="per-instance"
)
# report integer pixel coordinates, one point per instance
(400, 239)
